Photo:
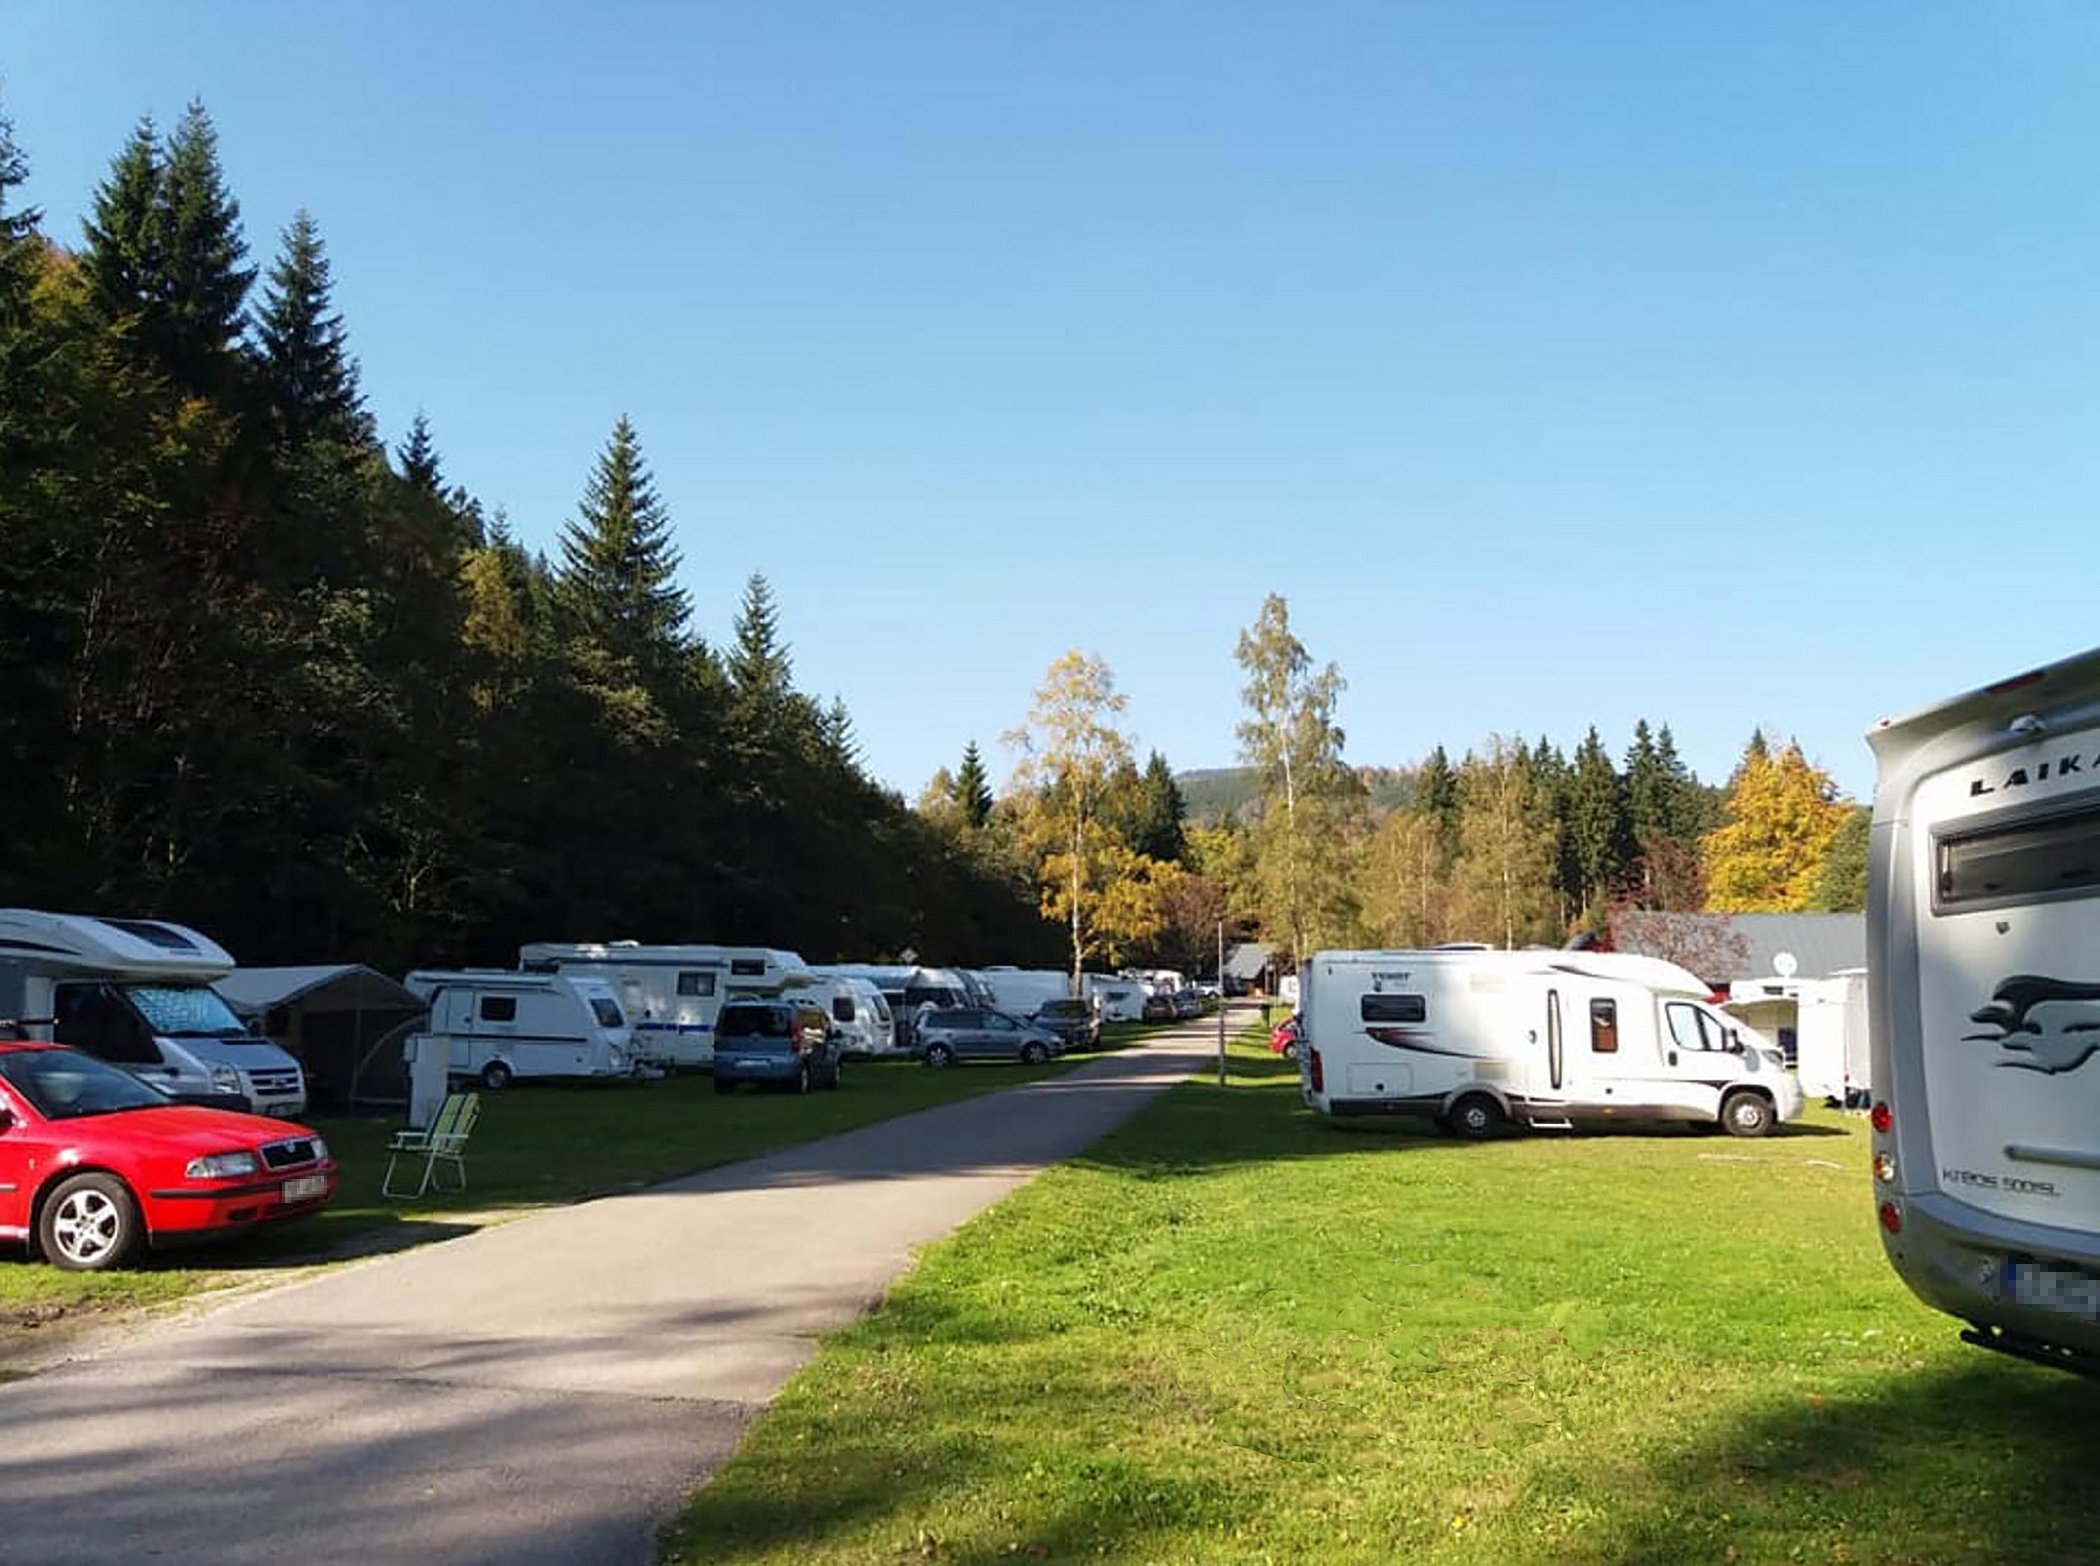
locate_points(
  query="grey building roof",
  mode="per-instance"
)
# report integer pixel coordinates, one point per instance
(1821, 944)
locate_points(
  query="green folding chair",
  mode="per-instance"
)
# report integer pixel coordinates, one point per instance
(443, 1141)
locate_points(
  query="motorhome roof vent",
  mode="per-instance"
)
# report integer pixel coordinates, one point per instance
(165, 936)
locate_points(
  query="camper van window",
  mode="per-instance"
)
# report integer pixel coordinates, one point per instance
(842, 1008)
(1689, 1028)
(499, 1008)
(697, 984)
(748, 967)
(1395, 1008)
(1604, 1027)
(91, 1018)
(2033, 858)
(185, 1011)
(607, 1012)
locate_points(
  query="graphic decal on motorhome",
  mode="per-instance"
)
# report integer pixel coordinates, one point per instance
(2051, 1040)
(1417, 1039)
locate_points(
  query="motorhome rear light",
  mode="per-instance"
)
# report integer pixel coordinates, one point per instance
(1884, 1168)
(1319, 1077)
(1881, 1117)
(1892, 1217)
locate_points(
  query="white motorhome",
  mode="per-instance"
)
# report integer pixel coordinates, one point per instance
(1483, 1039)
(137, 993)
(499, 1027)
(673, 993)
(907, 988)
(860, 1017)
(1983, 961)
(1117, 999)
(1831, 1049)
(1019, 992)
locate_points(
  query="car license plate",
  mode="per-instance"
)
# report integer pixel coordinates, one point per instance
(2064, 1290)
(305, 1188)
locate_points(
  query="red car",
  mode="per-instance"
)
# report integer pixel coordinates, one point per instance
(1284, 1040)
(94, 1164)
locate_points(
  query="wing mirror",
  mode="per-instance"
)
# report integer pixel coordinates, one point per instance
(7, 1119)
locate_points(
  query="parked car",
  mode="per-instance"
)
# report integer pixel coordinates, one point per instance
(1187, 1003)
(780, 1043)
(966, 1033)
(1159, 1008)
(1283, 1039)
(96, 1165)
(1075, 1022)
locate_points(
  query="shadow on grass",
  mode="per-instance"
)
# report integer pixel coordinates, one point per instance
(1977, 1463)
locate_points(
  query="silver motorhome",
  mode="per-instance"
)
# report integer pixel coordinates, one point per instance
(137, 993)
(672, 994)
(1983, 932)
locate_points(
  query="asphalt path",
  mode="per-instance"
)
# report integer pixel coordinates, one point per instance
(540, 1393)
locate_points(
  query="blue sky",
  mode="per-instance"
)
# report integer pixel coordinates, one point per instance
(1559, 364)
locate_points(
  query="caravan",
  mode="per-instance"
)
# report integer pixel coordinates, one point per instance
(1983, 942)
(673, 993)
(1117, 999)
(498, 1026)
(1020, 992)
(861, 1021)
(1831, 1035)
(137, 993)
(1480, 1039)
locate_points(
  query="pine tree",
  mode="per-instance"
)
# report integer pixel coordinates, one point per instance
(308, 374)
(760, 669)
(419, 459)
(202, 284)
(972, 789)
(1599, 839)
(1841, 887)
(14, 172)
(1161, 812)
(122, 257)
(1436, 796)
(619, 566)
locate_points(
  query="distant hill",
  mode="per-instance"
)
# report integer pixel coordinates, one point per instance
(1213, 793)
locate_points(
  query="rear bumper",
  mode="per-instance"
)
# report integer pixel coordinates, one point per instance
(785, 1069)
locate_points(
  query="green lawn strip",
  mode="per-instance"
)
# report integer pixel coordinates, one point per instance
(535, 1145)
(1237, 1332)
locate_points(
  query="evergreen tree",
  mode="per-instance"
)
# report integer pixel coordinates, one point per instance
(843, 743)
(760, 669)
(1158, 824)
(1599, 838)
(972, 789)
(1842, 885)
(202, 286)
(619, 566)
(419, 460)
(15, 226)
(309, 378)
(122, 257)
(1436, 796)
(1648, 810)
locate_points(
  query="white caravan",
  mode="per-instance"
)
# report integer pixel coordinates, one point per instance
(673, 993)
(1020, 992)
(860, 1017)
(907, 988)
(1830, 1037)
(1480, 1039)
(1117, 999)
(499, 1026)
(137, 993)
(1983, 943)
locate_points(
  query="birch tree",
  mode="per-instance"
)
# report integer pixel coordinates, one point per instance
(1503, 882)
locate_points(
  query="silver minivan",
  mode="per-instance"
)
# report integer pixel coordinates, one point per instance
(968, 1033)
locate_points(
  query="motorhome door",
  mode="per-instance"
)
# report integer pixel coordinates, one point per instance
(1556, 1044)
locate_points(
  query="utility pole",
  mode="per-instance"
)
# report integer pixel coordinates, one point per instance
(1221, 1003)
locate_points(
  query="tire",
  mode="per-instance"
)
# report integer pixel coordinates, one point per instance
(802, 1078)
(724, 1085)
(1746, 1112)
(1476, 1117)
(1033, 1054)
(838, 1070)
(497, 1075)
(1290, 1050)
(939, 1055)
(89, 1224)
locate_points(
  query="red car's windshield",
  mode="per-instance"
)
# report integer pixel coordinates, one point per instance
(63, 1084)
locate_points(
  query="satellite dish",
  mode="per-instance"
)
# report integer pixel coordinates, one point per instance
(907, 956)
(1783, 964)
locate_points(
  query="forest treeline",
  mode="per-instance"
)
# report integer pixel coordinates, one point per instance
(268, 678)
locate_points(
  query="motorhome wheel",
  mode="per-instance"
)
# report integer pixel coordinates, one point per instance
(88, 1224)
(1476, 1117)
(496, 1075)
(1746, 1113)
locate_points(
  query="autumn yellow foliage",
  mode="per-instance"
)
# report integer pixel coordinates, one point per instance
(1782, 814)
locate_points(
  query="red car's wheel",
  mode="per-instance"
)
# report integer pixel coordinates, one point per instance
(88, 1224)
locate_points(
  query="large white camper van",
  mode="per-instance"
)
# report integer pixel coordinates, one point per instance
(1480, 1039)
(137, 993)
(1983, 960)
(498, 1026)
(672, 994)
(1118, 999)
(1020, 992)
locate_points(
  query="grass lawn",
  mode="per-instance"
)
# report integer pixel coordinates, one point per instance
(534, 1145)
(1239, 1333)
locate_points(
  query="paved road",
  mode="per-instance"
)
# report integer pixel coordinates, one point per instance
(542, 1393)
